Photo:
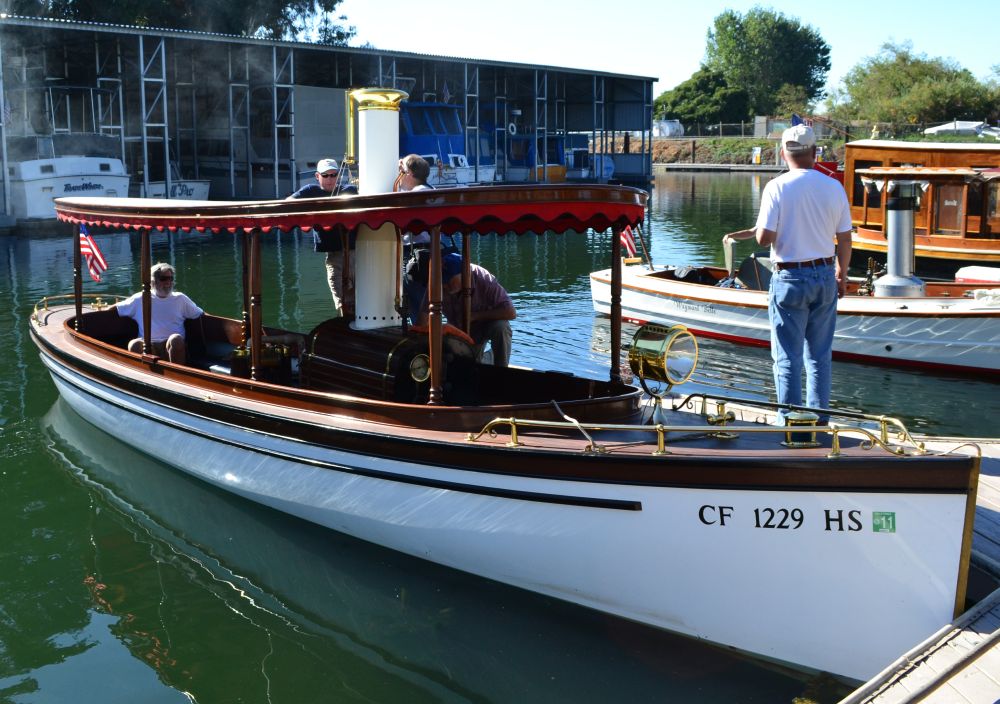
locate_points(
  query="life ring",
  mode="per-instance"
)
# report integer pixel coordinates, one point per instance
(512, 128)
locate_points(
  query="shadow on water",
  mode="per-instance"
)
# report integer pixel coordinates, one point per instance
(181, 574)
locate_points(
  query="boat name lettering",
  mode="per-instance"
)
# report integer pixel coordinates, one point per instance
(696, 307)
(181, 190)
(87, 186)
(834, 520)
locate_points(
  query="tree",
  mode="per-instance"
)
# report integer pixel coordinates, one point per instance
(264, 19)
(705, 97)
(792, 100)
(899, 86)
(762, 51)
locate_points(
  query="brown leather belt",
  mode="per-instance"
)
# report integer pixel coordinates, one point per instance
(799, 265)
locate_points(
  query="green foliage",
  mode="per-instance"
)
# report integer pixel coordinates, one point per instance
(705, 97)
(792, 99)
(899, 86)
(764, 50)
(265, 19)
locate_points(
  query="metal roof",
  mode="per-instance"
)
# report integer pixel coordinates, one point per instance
(49, 23)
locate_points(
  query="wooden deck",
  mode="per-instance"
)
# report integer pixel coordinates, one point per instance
(960, 664)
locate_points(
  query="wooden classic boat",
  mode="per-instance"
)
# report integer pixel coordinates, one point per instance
(835, 554)
(958, 222)
(535, 478)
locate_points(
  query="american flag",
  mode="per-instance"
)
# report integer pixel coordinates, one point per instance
(95, 260)
(628, 242)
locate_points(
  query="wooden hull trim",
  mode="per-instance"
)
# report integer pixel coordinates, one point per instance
(754, 466)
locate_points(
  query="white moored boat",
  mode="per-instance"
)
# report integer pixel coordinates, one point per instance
(36, 183)
(793, 550)
(893, 319)
(945, 330)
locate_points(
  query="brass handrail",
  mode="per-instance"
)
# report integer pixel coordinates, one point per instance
(870, 440)
(98, 304)
(883, 421)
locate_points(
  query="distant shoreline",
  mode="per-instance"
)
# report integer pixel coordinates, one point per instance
(678, 166)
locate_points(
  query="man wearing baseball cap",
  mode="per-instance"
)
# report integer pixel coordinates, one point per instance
(806, 220)
(328, 183)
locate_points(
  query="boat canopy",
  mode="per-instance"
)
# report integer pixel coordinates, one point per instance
(498, 209)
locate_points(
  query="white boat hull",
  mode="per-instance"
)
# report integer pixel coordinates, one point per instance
(460, 175)
(959, 334)
(717, 564)
(34, 184)
(183, 189)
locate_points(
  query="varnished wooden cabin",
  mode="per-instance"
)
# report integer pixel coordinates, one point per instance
(958, 221)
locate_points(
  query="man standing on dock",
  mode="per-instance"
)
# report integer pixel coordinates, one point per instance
(806, 220)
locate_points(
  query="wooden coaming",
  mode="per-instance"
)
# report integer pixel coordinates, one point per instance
(438, 436)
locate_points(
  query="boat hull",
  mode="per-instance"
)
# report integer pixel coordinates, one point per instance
(34, 184)
(185, 189)
(441, 175)
(723, 562)
(960, 335)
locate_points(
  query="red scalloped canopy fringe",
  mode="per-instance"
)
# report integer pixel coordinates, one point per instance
(500, 209)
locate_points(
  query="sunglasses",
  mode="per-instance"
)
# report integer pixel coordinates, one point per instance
(164, 278)
(333, 175)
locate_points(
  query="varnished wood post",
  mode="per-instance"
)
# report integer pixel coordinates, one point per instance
(616, 302)
(145, 264)
(245, 274)
(77, 278)
(965, 214)
(346, 281)
(434, 312)
(467, 284)
(256, 302)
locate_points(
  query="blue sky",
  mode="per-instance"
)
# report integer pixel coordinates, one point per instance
(665, 40)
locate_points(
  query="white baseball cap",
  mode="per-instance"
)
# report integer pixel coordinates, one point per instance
(798, 138)
(325, 165)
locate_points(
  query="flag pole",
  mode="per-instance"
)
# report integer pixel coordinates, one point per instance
(642, 243)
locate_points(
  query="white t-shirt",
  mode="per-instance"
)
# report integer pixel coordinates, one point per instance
(421, 237)
(807, 209)
(167, 314)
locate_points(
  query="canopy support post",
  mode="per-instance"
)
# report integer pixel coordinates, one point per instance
(77, 277)
(245, 281)
(466, 283)
(434, 312)
(256, 303)
(616, 303)
(145, 264)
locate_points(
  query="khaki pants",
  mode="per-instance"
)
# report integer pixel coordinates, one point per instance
(335, 278)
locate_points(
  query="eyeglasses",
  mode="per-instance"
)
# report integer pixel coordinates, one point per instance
(333, 175)
(164, 278)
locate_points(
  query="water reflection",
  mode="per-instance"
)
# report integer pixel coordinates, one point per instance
(186, 572)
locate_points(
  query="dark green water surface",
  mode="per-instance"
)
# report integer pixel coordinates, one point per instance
(122, 580)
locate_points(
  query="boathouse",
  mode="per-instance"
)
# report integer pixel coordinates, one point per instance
(249, 118)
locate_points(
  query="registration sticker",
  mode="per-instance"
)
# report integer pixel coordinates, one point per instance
(884, 521)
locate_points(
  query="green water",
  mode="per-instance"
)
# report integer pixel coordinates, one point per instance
(122, 580)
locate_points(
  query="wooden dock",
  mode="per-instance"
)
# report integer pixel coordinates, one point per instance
(960, 664)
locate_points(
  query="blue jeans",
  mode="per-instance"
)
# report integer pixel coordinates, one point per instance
(802, 306)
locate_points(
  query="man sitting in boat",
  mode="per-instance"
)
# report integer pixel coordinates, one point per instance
(169, 311)
(329, 183)
(492, 309)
